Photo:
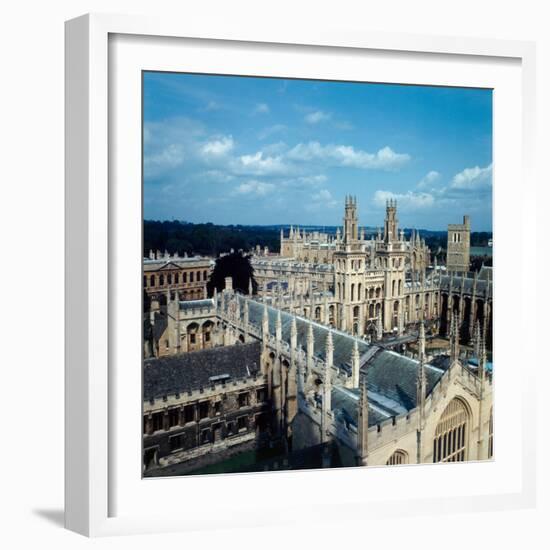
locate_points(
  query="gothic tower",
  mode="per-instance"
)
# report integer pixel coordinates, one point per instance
(392, 252)
(458, 246)
(349, 273)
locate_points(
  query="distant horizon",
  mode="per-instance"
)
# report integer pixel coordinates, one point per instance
(304, 226)
(262, 150)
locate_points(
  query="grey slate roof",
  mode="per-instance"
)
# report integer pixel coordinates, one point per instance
(343, 343)
(345, 402)
(191, 371)
(392, 379)
(481, 285)
(193, 304)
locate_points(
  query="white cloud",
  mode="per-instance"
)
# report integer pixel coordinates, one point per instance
(473, 178)
(260, 164)
(312, 180)
(408, 201)
(217, 147)
(254, 188)
(429, 179)
(217, 176)
(261, 108)
(270, 130)
(274, 148)
(169, 157)
(346, 155)
(320, 200)
(316, 117)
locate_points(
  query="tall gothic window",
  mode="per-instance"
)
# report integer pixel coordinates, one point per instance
(398, 457)
(451, 434)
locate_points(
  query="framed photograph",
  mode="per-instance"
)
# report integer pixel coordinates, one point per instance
(283, 258)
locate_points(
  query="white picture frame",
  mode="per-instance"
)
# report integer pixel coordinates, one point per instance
(96, 227)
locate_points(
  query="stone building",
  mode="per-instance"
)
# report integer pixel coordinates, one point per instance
(187, 275)
(203, 406)
(325, 388)
(331, 355)
(367, 287)
(458, 246)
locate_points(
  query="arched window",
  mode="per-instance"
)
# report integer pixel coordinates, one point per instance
(352, 292)
(398, 457)
(451, 434)
(153, 282)
(198, 276)
(161, 280)
(184, 276)
(191, 277)
(177, 278)
(359, 291)
(204, 275)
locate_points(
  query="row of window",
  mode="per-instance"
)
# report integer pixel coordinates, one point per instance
(213, 433)
(186, 276)
(179, 416)
(370, 293)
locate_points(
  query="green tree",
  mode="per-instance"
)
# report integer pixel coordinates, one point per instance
(238, 267)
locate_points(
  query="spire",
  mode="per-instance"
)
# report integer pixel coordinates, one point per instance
(310, 340)
(265, 324)
(329, 350)
(250, 287)
(355, 365)
(379, 329)
(245, 313)
(327, 388)
(362, 424)
(422, 342)
(477, 340)
(421, 377)
(293, 334)
(482, 360)
(454, 338)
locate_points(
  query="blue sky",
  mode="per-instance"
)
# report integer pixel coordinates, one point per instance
(232, 150)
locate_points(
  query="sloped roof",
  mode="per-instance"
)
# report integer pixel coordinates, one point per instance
(192, 370)
(392, 379)
(343, 343)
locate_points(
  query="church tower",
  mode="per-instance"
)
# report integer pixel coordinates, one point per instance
(349, 273)
(458, 247)
(392, 252)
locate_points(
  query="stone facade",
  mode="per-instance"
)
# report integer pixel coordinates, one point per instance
(329, 357)
(458, 246)
(187, 276)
